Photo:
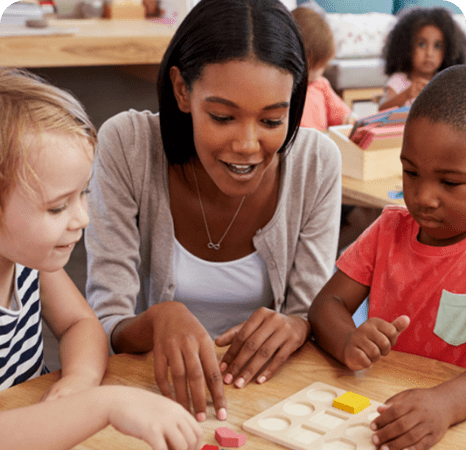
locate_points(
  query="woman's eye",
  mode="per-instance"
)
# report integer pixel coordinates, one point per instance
(221, 119)
(85, 192)
(273, 123)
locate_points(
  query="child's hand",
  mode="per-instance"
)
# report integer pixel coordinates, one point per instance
(157, 420)
(349, 119)
(67, 385)
(417, 85)
(373, 339)
(415, 419)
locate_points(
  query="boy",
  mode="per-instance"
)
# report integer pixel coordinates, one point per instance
(323, 107)
(412, 262)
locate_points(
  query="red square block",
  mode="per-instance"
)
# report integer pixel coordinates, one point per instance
(228, 438)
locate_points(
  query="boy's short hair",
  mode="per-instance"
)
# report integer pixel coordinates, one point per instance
(318, 39)
(443, 99)
(30, 104)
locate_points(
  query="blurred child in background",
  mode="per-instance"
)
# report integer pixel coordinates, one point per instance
(323, 107)
(423, 42)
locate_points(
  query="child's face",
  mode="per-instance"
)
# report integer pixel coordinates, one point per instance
(433, 156)
(428, 51)
(40, 231)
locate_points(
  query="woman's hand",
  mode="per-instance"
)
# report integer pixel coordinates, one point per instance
(413, 420)
(183, 344)
(372, 340)
(267, 338)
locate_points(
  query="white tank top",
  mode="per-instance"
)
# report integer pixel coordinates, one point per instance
(221, 294)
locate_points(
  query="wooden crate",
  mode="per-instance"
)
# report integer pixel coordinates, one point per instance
(380, 160)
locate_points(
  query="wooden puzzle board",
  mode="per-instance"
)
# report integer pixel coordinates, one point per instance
(307, 420)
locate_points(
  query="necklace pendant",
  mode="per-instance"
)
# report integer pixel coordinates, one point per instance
(214, 246)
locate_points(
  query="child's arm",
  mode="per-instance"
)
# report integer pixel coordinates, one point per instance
(83, 343)
(418, 418)
(391, 99)
(63, 423)
(330, 316)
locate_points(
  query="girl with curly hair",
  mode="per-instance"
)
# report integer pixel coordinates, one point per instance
(423, 42)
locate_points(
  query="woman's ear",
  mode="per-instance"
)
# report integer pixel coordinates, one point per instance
(180, 90)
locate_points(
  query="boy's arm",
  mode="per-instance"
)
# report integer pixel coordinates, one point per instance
(330, 316)
(418, 418)
(63, 423)
(83, 343)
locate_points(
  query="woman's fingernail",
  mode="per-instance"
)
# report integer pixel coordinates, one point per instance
(200, 417)
(261, 379)
(223, 366)
(222, 414)
(373, 426)
(228, 378)
(375, 439)
(239, 382)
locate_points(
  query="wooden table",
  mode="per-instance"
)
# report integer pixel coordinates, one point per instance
(394, 373)
(373, 193)
(96, 42)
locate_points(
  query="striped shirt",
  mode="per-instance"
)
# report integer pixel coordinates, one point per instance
(21, 346)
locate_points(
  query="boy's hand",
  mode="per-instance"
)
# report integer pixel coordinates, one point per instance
(372, 340)
(414, 419)
(68, 385)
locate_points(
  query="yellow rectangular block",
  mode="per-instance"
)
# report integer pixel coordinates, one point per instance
(351, 402)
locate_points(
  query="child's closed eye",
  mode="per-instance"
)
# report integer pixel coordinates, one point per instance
(410, 173)
(57, 210)
(450, 183)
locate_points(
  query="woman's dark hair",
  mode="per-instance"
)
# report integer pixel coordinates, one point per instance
(217, 31)
(398, 47)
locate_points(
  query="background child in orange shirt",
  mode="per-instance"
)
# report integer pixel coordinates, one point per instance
(412, 262)
(323, 107)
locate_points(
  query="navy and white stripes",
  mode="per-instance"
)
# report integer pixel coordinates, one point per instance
(21, 346)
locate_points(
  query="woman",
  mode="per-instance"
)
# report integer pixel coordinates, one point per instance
(216, 218)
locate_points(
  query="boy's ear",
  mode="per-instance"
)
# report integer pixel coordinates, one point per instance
(180, 90)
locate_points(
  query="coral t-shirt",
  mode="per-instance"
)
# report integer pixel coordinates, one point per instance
(426, 283)
(323, 108)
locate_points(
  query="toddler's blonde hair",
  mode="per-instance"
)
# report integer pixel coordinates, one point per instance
(317, 36)
(30, 105)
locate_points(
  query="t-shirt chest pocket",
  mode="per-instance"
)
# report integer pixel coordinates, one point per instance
(451, 318)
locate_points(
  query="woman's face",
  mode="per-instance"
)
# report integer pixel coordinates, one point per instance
(240, 115)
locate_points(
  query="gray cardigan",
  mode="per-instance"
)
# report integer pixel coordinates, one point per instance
(130, 238)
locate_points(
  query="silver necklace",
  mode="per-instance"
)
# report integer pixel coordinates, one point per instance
(211, 244)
